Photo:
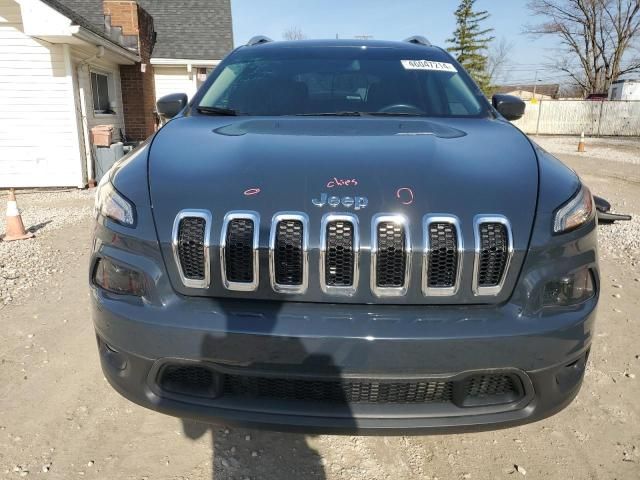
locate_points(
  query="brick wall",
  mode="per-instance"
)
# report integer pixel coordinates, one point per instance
(138, 89)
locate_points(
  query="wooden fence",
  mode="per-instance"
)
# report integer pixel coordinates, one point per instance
(571, 117)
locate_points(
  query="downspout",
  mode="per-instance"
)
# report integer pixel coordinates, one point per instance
(83, 113)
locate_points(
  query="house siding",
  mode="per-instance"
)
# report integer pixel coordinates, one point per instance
(39, 143)
(172, 79)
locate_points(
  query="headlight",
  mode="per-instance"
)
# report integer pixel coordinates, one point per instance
(576, 212)
(570, 290)
(118, 279)
(113, 205)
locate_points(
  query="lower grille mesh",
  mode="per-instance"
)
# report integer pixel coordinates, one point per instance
(475, 390)
(490, 385)
(391, 257)
(338, 391)
(288, 254)
(443, 256)
(494, 251)
(191, 247)
(339, 260)
(239, 250)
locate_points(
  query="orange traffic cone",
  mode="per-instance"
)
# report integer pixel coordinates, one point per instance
(15, 227)
(581, 143)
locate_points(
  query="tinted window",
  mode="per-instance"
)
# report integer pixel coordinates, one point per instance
(295, 81)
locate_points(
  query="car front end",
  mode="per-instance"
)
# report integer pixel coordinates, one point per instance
(344, 273)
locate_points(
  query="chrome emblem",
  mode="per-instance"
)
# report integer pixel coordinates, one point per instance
(357, 203)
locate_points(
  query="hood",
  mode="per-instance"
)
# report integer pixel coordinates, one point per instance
(365, 166)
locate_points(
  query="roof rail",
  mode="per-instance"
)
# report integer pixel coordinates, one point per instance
(418, 40)
(257, 40)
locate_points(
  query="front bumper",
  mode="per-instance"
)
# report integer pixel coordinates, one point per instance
(546, 353)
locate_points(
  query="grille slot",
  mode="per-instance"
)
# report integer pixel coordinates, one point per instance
(390, 270)
(189, 380)
(443, 247)
(493, 251)
(390, 256)
(443, 261)
(492, 389)
(339, 250)
(239, 250)
(288, 255)
(487, 385)
(339, 260)
(191, 247)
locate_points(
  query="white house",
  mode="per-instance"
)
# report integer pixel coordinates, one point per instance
(69, 65)
(58, 78)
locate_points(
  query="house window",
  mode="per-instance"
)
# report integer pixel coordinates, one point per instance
(100, 91)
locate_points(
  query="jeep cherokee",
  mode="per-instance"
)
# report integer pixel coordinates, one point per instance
(344, 236)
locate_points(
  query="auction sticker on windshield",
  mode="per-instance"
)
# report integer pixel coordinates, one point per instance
(428, 65)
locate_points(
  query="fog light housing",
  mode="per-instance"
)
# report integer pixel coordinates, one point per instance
(569, 290)
(118, 279)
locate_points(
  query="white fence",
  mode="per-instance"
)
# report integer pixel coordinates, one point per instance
(571, 117)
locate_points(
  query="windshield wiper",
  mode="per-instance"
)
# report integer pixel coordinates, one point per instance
(330, 114)
(396, 114)
(216, 111)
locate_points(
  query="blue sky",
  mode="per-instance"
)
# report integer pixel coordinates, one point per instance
(388, 20)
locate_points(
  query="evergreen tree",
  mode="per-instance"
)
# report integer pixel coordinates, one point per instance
(470, 42)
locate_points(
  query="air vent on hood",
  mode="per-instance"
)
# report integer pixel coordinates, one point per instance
(390, 255)
(442, 262)
(288, 252)
(494, 248)
(191, 247)
(239, 251)
(339, 249)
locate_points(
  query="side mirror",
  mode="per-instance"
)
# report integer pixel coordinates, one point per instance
(170, 105)
(510, 107)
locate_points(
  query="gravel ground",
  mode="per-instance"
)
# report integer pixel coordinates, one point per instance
(59, 419)
(615, 149)
(23, 263)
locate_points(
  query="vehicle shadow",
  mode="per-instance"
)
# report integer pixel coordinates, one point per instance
(241, 453)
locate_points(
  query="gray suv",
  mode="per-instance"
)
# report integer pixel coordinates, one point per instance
(344, 236)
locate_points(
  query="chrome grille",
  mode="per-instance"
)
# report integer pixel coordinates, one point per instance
(339, 259)
(339, 249)
(339, 253)
(443, 246)
(390, 270)
(239, 250)
(191, 247)
(288, 253)
(493, 254)
(390, 255)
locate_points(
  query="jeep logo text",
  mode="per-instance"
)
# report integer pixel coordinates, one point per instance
(356, 202)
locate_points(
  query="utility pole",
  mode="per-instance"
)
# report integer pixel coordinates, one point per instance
(535, 85)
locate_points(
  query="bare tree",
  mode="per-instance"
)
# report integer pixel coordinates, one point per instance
(497, 58)
(599, 37)
(293, 33)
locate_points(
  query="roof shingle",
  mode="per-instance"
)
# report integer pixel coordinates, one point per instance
(186, 29)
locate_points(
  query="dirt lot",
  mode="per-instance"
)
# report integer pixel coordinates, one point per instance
(59, 419)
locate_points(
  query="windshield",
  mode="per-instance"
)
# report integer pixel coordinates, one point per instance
(340, 81)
